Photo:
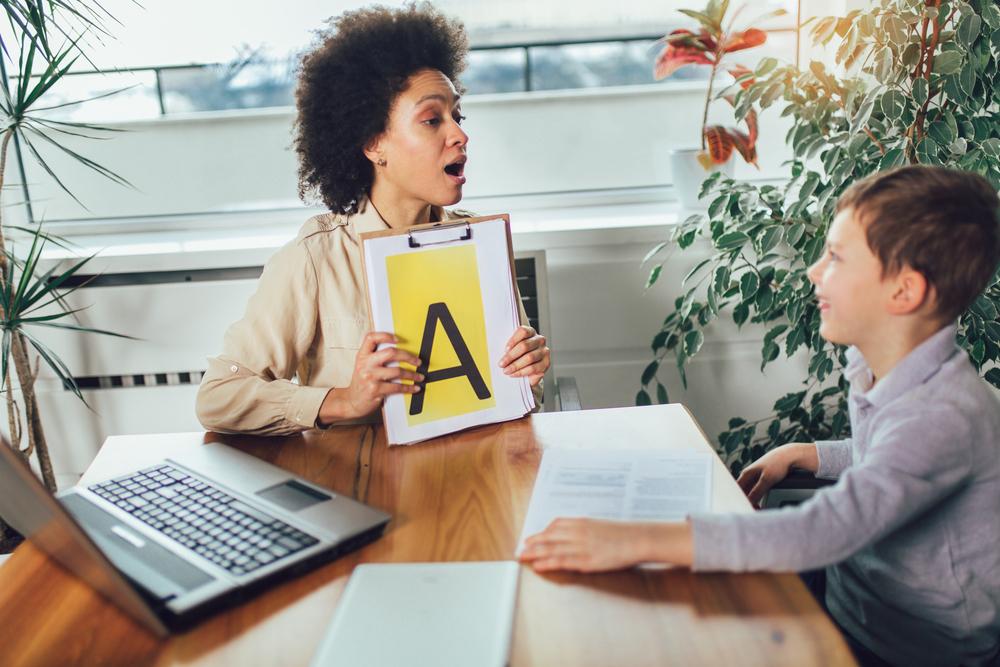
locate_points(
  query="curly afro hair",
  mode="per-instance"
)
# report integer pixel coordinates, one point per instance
(348, 84)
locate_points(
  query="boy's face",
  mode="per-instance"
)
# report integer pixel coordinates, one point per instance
(850, 290)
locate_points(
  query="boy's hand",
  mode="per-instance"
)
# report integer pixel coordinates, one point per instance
(588, 545)
(584, 545)
(758, 477)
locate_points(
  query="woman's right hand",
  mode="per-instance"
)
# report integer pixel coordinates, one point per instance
(758, 477)
(373, 379)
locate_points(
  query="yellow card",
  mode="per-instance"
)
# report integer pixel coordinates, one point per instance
(437, 313)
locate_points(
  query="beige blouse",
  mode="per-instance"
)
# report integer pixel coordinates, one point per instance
(305, 321)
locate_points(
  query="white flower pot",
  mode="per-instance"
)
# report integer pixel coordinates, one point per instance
(688, 175)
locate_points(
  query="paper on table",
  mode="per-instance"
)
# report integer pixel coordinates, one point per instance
(621, 485)
(456, 297)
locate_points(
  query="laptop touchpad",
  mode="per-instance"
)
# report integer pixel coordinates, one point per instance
(293, 496)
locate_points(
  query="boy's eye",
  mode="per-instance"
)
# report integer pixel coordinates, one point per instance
(459, 118)
(436, 120)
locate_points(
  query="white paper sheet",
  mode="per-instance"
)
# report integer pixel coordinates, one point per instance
(511, 397)
(619, 485)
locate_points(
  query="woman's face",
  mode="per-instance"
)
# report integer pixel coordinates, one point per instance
(423, 145)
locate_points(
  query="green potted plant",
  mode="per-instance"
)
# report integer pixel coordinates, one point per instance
(715, 39)
(915, 81)
(30, 297)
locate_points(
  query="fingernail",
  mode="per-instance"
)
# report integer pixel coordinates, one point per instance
(420, 378)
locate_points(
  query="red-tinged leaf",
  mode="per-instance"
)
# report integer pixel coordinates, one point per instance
(702, 40)
(672, 58)
(739, 70)
(719, 143)
(751, 121)
(744, 40)
(745, 147)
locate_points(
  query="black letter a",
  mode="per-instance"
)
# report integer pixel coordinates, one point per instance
(466, 367)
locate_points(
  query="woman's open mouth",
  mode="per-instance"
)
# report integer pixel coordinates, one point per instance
(456, 171)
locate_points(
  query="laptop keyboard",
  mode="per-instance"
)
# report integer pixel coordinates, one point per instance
(207, 520)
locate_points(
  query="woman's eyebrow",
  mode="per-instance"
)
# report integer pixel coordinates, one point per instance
(439, 96)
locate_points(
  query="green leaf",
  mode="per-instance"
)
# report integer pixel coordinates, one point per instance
(883, 64)
(642, 398)
(991, 147)
(731, 241)
(948, 62)
(770, 240)
(993, 377)
(748, 285)
(978, 351)
(795, 234)
(654, 275)
(920, 91)
(927, 151)
(655, 251)
(941, 132)
(768, 354)
(698, 267)
(892, 104)
(740, 314)
(892, 158)
(650, 372)
(765, 66)
(705, 20)
(661, 394)
(693, 341)
(968, 30)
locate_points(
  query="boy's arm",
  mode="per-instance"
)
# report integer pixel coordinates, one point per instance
(915, 460)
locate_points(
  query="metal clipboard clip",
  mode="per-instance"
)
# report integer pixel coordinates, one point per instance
(466, 236)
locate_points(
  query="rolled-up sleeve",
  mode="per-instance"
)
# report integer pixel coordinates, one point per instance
(834, 457)
(249, 387)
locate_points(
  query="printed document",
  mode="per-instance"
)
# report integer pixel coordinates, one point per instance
(620, 485)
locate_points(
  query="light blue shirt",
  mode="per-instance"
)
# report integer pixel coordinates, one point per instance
(911, 529)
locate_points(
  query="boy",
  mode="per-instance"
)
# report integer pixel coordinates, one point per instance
(910, 533)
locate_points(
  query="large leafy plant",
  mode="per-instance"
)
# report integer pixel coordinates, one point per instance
(716, 38)
(48, 35)
(912, 81)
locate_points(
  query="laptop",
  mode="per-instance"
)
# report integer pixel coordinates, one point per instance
(176, 541)
(423, 615)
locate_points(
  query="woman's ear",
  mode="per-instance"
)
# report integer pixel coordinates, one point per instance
(373, 151)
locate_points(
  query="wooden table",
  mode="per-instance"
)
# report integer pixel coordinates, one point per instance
(457, 498)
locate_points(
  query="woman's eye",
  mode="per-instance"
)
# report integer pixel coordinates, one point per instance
(459, 118)
(436, 120)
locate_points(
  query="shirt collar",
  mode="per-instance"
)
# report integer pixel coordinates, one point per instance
(914, 369)
(367, 219)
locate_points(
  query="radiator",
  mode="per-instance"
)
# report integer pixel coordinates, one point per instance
(149, 385)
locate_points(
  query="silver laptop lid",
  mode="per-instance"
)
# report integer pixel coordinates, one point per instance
(28, 506)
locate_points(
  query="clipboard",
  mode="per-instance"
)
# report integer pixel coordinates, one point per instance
(448, 292)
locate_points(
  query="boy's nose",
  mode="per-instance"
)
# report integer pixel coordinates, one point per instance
(812, 273)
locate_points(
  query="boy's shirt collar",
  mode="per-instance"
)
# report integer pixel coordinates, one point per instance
(915, 368)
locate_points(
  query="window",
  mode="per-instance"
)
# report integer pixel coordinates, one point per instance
(249, 59)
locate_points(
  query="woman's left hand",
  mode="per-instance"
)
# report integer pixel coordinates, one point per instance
(527, 355)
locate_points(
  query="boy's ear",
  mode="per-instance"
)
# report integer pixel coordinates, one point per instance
(911, 291)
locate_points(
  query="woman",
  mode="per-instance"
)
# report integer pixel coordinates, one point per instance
(379, 140)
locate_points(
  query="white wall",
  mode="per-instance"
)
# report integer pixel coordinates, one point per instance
(520, 143)
(602, 319)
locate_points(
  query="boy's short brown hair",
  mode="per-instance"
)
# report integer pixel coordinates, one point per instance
(943, 223)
